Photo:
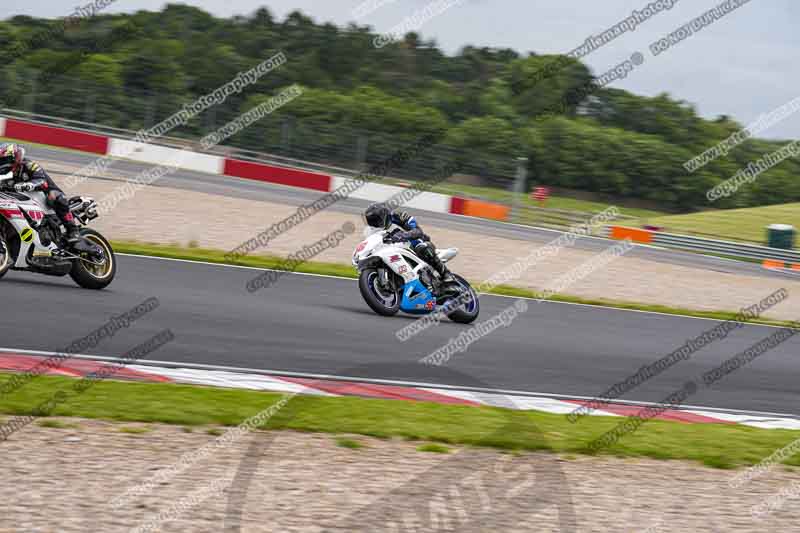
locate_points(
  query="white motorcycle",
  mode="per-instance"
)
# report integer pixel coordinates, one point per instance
(393, 278)
(32, 239)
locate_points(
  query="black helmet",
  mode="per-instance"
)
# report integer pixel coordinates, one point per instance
(11, 156)
(378, 216)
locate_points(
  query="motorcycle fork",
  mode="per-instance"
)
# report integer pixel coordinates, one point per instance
(383, 279)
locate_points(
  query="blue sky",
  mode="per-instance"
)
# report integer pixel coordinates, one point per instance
(743, 65)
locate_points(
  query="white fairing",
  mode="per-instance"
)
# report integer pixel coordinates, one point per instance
(36, 208)
(447, 254)
(395, 255)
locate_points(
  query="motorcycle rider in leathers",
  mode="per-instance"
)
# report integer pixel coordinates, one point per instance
(380, 216)
(29, 176)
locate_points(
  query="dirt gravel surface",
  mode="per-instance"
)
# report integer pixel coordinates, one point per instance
(71, 479)
(173, 216)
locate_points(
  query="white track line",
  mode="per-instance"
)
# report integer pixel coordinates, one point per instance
(416, 384)
(597, 306)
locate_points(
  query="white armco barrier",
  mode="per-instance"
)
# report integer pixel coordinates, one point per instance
(375, 192)
(159, 155)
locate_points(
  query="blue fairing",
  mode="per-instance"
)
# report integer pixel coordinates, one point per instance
(422, 301)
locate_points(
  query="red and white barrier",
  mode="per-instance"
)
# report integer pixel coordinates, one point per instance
(426, 201)
(211, 164)
(63, 138)
(158, 155)
(280, 175)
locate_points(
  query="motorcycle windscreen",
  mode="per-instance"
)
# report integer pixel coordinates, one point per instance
(369, 230)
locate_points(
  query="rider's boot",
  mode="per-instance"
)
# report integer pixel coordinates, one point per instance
(444, 272)
(428, 253)
(73, 233)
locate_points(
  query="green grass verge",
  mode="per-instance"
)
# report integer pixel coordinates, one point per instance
(432, 447)
(349, 443)
(734, 224)
(347, 271)
(134, 430)
(717, 445)
(56, 424)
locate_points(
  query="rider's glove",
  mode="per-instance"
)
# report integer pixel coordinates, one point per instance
(397, 237)
(24, 187)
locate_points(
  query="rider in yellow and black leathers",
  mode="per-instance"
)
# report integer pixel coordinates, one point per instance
(29, 176)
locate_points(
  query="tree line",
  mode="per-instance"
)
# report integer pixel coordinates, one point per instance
(486, 106)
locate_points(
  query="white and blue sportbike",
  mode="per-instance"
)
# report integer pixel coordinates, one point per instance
(393, 278)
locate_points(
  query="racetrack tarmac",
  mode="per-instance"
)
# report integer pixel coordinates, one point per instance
(321, 325)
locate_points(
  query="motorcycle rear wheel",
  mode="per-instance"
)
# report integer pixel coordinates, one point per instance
(468, 312)
(91, 276)
(379, 301)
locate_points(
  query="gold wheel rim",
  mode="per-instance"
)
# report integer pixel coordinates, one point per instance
(104, 270)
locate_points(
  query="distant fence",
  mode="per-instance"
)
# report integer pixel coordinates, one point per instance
(555, 218)
(101, 139)
(174, 142)
(775, 257)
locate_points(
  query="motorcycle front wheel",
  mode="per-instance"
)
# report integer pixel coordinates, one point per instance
(383, 302)
(5, 255)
